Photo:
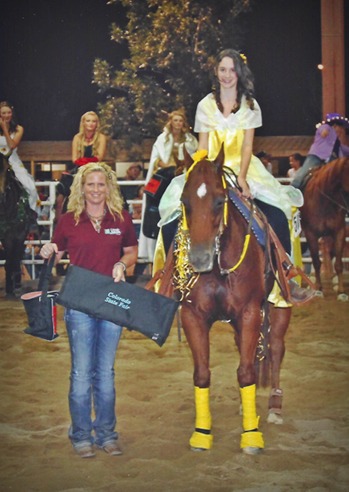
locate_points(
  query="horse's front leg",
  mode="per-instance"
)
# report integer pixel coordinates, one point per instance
(196, 330)
(279, 319)
(338, 264)
(313, 244)
(248, 328)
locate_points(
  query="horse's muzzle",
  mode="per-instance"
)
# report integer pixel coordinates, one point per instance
(201, 259)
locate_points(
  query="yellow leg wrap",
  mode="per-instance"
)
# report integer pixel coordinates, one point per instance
(252, 440)
(250, 420)
(203, 420)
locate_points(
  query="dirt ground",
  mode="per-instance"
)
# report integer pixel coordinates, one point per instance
(155, 408)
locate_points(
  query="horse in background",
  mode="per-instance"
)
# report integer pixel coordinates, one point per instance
(16, 217)
(326, 204)
(222, 274)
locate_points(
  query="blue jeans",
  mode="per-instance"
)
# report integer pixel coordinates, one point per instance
(310, 162)
(93, 345)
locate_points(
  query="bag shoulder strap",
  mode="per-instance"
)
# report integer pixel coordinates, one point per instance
(45, 275)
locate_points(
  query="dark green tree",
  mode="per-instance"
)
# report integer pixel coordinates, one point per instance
(169, 45)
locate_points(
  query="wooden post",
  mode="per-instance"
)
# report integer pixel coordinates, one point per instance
(332, 44)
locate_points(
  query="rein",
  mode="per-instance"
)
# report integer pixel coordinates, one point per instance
(345, 208)
(226, 271)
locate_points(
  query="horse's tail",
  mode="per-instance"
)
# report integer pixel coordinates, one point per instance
(262, 362)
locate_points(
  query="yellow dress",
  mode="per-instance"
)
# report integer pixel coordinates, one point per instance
(230, 131)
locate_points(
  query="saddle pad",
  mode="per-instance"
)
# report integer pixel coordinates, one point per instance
(245, 211)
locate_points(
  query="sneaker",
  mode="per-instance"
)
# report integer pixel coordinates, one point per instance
(85, 451)
(299, 294)
(112, 448)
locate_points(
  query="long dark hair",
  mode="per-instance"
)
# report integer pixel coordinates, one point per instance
(13, 123)
(245, 85)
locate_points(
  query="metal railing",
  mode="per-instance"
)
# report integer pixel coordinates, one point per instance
(33, 260)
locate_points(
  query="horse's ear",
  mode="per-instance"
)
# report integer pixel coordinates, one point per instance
(188, 161)
(220, 157)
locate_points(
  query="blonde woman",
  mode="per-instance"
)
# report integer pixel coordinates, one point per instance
(89, 145)
(99, 235)
(169, 144)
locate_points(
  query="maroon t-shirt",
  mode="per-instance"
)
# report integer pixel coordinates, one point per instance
(92, 250)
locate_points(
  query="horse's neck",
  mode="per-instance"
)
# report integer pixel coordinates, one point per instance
(2, 183)
(3, 174)
(330, 179)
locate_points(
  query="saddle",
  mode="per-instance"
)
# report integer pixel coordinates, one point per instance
(306, 179)
(283, 270)
(154, 190)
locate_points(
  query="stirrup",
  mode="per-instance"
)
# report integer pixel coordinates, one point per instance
(298, 294)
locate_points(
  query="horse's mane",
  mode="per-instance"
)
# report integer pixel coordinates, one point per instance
(3, 169)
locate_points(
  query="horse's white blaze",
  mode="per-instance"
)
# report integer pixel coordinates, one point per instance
(202, 190)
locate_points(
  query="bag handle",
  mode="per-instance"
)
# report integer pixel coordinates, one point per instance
(45, 274)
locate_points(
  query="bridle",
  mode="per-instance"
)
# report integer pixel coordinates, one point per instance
(226, 271)
(223, 222)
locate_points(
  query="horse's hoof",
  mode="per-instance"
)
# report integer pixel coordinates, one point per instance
(319, 293)
(198, 450)
(343, 297)
(275, 418)
(11, 297)
(251, 450)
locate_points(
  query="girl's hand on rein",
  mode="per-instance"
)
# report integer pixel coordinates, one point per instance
(48, 249)
(245, 189)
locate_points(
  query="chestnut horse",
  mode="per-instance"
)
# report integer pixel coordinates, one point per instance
(222, 274)
(326, 203)
(15, 219)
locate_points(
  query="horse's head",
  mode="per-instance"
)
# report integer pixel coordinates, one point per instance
(203, 200)
(10, 190)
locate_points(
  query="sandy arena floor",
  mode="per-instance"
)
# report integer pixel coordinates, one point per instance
(155, 408)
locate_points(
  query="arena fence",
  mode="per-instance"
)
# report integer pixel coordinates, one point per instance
(32, 259)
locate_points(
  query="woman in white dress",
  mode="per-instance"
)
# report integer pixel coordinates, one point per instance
(168, 145)
(10, 137)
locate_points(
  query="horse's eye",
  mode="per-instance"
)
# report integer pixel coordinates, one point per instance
(219, 202)
(185, 202)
